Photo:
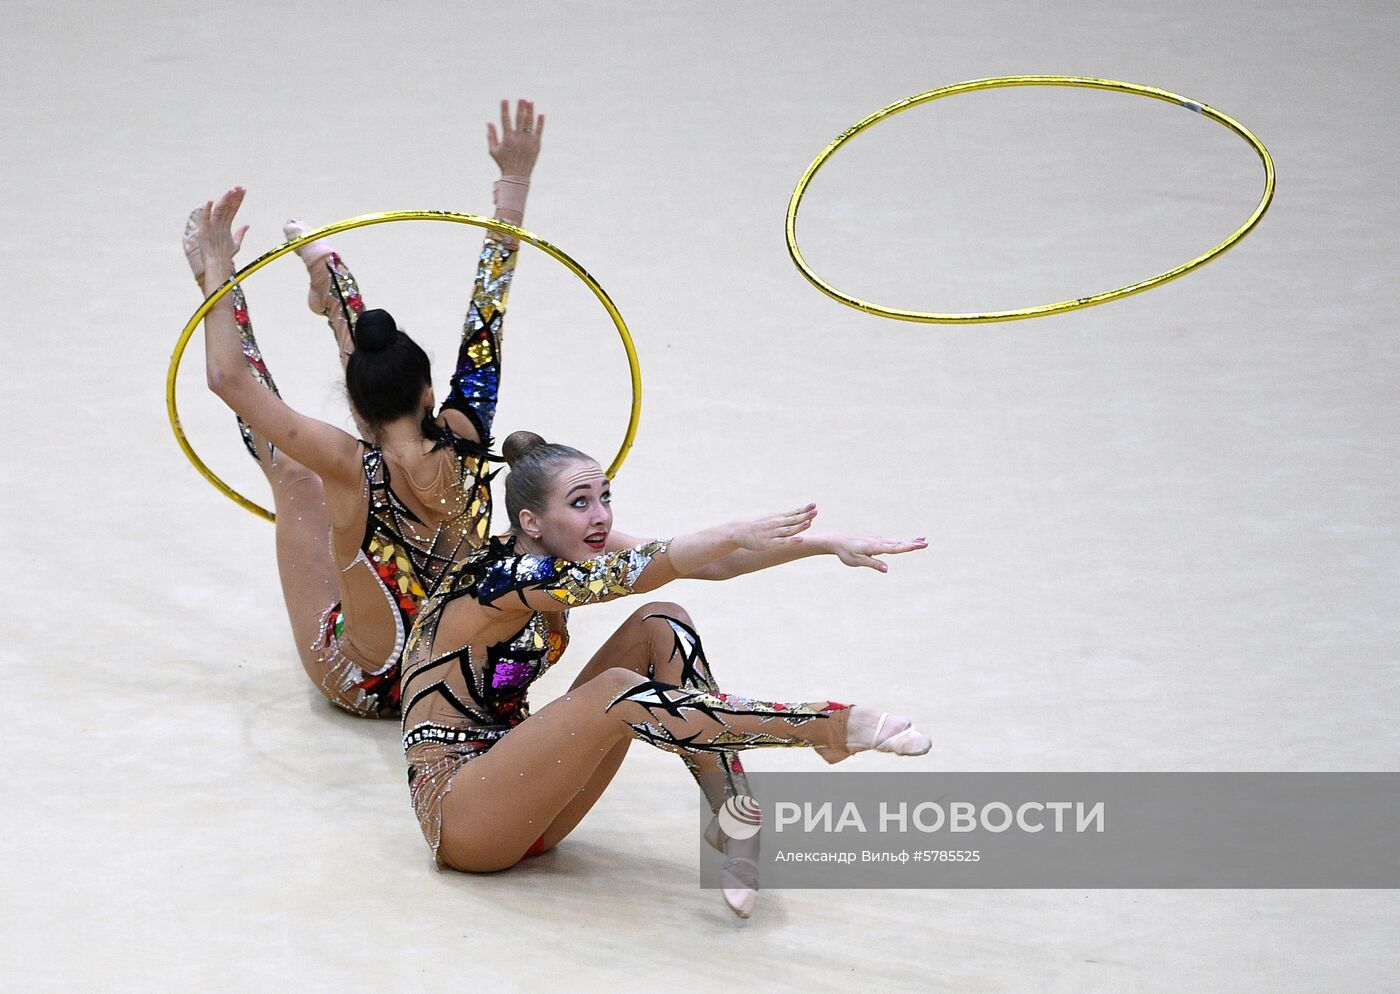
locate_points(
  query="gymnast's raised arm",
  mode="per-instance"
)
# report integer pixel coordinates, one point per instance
(470, 407)
(323, 448)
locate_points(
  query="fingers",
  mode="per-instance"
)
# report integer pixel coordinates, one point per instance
(525, 121)
(492, 139)
(790, 529)
(238, 237)
(227, 206)
(786, 526)
(539, 127)
(808, 513)
(895, 548)
(865, 551)
(887, 546)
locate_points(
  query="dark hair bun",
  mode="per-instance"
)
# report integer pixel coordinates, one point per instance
(375, 331)
(518, 445)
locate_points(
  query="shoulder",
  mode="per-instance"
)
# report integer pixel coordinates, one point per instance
(460, 432)
(497, 569)
(458, 428)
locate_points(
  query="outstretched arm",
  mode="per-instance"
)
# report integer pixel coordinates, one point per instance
(542, 583)
(853, 550)
(470, 407)
(323, 448)
(494, 594)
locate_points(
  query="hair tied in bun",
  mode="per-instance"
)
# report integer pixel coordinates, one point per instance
(534, 466)
(518, 445)
(374, 331)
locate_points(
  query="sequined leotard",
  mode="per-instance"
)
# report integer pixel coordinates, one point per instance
(407, 556)
(457, 705)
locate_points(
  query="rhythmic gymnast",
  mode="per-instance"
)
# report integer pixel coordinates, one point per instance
(402, 507)
(490, 783)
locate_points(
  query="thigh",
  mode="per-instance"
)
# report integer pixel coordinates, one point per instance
(304, 564)
(573, 813)
(503, 801)
(637, 645)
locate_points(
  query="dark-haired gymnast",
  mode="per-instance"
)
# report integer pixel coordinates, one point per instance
(399, 508)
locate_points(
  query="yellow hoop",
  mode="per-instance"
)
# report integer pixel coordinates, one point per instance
(385, 218)
(1044, 309)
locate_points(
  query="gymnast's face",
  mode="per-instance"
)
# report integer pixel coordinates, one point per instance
(577, 518)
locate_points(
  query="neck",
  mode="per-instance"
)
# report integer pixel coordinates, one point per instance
(403, 434)
(524, 543)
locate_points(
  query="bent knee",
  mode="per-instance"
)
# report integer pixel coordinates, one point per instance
(663, 611)
(610, 683)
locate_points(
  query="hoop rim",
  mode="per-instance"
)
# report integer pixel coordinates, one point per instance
(360, 221)
(1042, 310)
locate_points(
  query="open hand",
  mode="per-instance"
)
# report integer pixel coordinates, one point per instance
(862, 550)
(218, 242)
(517, 147)
(762, 534)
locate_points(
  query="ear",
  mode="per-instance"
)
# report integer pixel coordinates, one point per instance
(427, 399)
(530, 523)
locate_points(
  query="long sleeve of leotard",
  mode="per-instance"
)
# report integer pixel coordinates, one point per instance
(477, 375)
(543, 582)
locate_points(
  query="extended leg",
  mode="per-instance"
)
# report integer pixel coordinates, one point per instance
(659, 642)
(334, 291)
(501, 802)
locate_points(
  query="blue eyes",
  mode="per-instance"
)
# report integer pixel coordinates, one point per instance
(581, 502)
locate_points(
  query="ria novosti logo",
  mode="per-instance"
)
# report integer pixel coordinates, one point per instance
(740, 817)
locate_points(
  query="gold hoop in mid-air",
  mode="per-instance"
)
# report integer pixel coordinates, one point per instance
(1044, 309)
(385, 218)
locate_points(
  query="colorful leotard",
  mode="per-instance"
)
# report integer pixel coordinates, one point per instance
(457, 705)
(407, 556)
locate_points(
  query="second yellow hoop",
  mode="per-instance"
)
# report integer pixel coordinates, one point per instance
(933, 317)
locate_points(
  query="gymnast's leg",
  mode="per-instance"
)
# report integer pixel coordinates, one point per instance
(334, 293)
(307, 572)
(500, 801)
(659, 642)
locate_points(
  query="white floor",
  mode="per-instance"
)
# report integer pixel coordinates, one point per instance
(1164, 531)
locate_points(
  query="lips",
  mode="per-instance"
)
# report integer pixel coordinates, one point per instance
(596, 541)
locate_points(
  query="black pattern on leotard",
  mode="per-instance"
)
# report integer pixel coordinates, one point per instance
(459, 703)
